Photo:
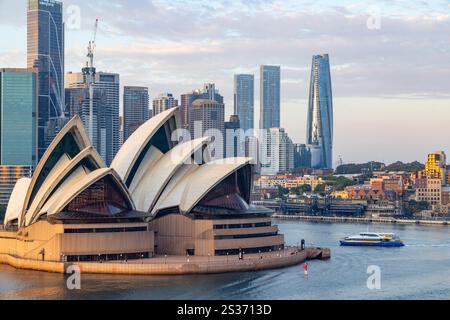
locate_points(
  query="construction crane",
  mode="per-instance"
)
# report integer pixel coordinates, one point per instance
(89, 72)
(92, 45)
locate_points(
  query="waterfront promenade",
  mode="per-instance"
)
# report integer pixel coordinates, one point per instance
(177, 265)
(360, 220)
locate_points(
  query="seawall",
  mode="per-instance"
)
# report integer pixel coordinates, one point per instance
(361, 220)
(178, 265)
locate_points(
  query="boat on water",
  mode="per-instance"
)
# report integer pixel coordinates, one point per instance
(372, 239)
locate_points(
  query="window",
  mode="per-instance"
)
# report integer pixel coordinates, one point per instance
(106, 230)
(245, 236)
(102, 198)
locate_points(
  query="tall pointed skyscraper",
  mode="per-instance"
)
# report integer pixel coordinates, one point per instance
(45, 51)
(320, 114)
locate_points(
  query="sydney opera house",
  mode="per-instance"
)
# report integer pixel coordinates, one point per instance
(158, 197)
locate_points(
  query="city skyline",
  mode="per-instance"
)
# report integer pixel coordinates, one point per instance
(374, 79)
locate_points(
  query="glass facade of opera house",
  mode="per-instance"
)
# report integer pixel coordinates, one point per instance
(158, 197)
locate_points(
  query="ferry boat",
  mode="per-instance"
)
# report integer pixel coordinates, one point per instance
(372, 239)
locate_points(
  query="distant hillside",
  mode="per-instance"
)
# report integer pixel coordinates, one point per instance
(353, 168)
(363, 168)
(408, 167)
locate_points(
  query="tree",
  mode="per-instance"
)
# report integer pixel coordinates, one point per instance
(408, 167)
(354, 168)
(282, 191)
(415, 207)
(302, 189)
(339, 183)
(320, 188)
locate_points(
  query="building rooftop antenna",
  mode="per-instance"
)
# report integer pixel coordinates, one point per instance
(90, 75)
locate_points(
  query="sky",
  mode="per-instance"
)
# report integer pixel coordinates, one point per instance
(390, 59)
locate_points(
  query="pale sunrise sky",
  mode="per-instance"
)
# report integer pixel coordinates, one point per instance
(390, 59)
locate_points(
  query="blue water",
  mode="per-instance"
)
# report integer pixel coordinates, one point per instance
(420, 270)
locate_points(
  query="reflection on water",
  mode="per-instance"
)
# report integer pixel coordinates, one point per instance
(420, 270)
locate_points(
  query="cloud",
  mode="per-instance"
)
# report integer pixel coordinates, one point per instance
(175, 46)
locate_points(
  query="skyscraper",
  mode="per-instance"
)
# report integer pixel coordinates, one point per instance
(135, 109)
(270, 97)
(277, 154)
(302, 156)
(234, 139)
(320, 114)
(185, 103)
(106, 109)
(244, 96)
(45, 51)
(207, 116)
(164, 102)
(18, 123)
(110, 84)
(209, 92)
(18, 127)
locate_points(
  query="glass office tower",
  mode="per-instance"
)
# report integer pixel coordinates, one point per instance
(45, 51)
(18, 117)
(270, 97)
(106, 117)
(18, 126)
(320, 113)
(135, 109)
(244, 95)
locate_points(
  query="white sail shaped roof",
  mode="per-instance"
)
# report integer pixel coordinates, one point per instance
(132, 149)
(69, 141)
(75, 189)
(79, 174)
(156, 178)
(58, 174)
(171, 197)
(16, 201)
(152, 156)
(193, 187)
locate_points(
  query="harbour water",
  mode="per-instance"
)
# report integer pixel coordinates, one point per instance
(420, 270)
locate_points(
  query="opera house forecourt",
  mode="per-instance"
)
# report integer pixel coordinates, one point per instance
(160, 208)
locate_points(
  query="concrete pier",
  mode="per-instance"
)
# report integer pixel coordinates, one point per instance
(177, 265)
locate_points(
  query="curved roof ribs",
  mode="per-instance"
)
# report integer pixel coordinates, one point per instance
(16, 201)
(85, 184)
(206, 177)
(129, 158)
(196, 182)
(170, 197)
(156, 178)
(70, 140)
(88, 158)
